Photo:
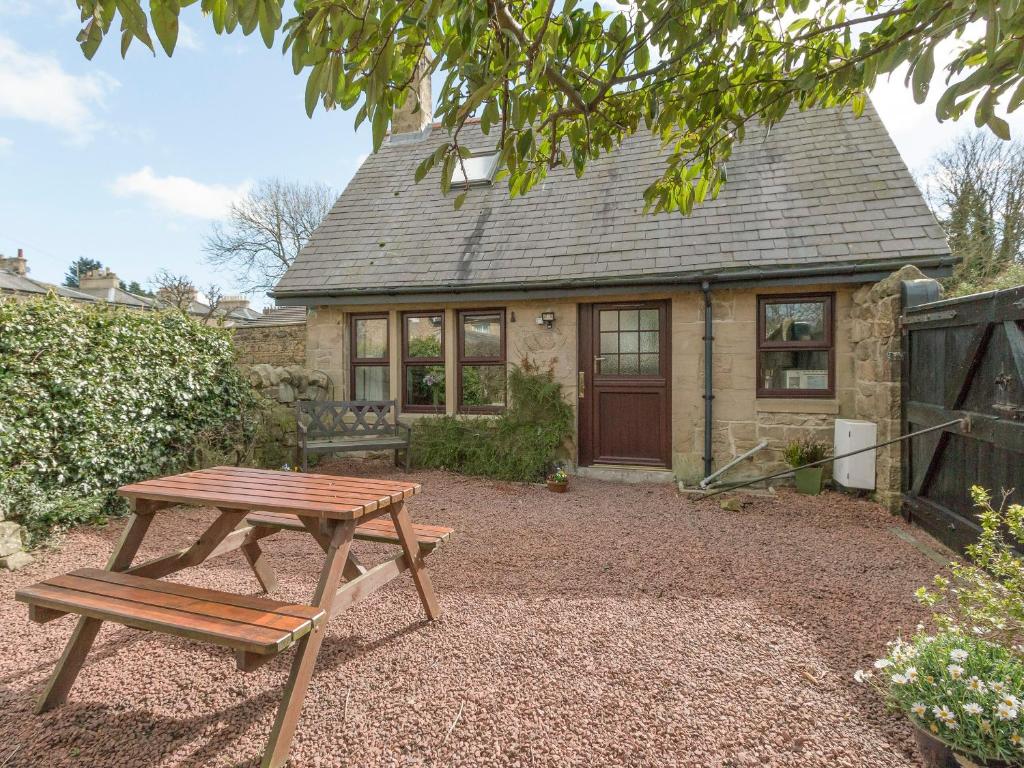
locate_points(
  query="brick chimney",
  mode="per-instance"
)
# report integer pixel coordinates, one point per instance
(231, 303)
(98, 280)
(418, 110)
(17, 264)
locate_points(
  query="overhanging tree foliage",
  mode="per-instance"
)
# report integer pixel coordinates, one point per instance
(563, 83)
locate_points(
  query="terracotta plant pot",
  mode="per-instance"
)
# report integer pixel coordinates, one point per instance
(557, 487)
(938, 754)
(809, 480)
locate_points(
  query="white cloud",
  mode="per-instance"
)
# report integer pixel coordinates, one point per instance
(37, 88)
(180, 194)
(187, 38)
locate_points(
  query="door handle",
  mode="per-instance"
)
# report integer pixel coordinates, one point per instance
(597, 359)
(580, 383)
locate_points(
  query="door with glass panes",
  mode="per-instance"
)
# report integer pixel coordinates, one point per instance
(624, 384)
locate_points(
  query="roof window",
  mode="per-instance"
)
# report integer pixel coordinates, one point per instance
(479, 169)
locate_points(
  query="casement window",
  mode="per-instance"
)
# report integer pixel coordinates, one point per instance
(481, 359)
(371, 372)
(423, 374)
(795, 346)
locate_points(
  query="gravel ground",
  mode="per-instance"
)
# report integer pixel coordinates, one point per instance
(614, 625)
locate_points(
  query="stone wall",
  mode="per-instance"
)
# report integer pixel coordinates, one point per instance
(278, 345)
(875, 332)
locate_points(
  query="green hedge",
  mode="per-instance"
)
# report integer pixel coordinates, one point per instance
(93, 397)
(521, 444)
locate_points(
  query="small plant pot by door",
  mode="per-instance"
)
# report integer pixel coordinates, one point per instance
(809, 480)
(557, 487)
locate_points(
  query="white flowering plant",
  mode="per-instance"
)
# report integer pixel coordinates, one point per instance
(964, 690)
(986, 592)
(93, 397)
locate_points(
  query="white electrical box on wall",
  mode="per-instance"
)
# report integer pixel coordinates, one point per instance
(855, 471)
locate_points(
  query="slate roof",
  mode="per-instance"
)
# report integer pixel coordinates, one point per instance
(822, 189)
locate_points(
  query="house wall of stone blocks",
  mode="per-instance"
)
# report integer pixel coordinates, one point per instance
(866, 367)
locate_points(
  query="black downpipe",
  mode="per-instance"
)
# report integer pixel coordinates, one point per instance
(709, 395)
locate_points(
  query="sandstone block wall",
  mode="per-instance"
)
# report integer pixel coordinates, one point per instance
(279, 345)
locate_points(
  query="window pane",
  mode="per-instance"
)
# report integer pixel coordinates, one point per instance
(481, 335)
(609, 342)
(648, 341)
(648, 319)
(629, 319)
(609, 365)
(425, 385)
(372, 338)
(794, 321)
(629, 365)
(372, 382)
(648, 365)
(423, 336)
(629, 342)
(483, 385)
(609, 320)
(794, 370)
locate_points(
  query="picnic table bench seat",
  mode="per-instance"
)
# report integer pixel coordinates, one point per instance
(378, 530)
(244, 623)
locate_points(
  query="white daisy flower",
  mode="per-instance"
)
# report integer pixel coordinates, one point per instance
(911, 674)
(955, 671)
(882, 664)
(899, 679)
(972, 708)
(919, 709)
(1004, 712)
(1011, 701)
(958, 655)
(944, 714)
(997, 686)
(975, 684)
(861, 676)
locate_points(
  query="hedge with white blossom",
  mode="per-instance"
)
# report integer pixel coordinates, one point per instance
(92, 396)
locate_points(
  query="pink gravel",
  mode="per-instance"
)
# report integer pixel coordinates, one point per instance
(612, 625)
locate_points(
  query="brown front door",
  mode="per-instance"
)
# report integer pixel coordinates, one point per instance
(624, 366)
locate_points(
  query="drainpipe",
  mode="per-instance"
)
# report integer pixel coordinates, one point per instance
(708, 365)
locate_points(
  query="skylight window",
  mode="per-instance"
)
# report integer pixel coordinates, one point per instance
(479, 169)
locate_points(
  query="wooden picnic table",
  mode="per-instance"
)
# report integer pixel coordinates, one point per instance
(251, 504)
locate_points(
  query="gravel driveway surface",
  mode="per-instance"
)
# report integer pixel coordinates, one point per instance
(613, 625)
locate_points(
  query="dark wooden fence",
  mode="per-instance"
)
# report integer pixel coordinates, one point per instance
(962, 358)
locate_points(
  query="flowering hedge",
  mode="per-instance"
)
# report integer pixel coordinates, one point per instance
(92, 397)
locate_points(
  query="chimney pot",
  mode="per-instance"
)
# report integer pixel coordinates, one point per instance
(17, 265)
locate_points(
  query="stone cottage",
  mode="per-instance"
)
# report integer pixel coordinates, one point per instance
(682, 341)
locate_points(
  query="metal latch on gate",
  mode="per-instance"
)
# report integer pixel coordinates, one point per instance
(1002, 405)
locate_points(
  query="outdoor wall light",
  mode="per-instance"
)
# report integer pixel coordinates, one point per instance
(547, 319)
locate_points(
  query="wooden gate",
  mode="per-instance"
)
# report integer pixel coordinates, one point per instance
(962, 358)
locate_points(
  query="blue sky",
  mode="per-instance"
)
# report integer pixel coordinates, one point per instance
(130, 161)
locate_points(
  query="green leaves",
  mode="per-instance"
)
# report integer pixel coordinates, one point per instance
(558, 84)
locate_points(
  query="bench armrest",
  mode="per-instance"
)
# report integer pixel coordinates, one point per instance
(400, 427)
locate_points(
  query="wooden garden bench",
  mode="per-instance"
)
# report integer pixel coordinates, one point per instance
(252, 504)
(335, 426)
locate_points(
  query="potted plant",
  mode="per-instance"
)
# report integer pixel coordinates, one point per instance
(558, 481)
(807, 451)
(963, 687)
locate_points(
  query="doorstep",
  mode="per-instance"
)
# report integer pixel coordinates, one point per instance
(619, 473)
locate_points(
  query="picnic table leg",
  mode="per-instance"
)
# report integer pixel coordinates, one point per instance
(260, 566)
(420, 577)
(82, 638)
(308, 647)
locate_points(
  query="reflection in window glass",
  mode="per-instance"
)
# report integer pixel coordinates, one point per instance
(425, 385)
(423, 334)
(794, 321)
(483, 386)
(371, 338)
(481, 336)
(796, 369)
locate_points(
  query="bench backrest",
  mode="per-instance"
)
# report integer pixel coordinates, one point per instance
(341, 418)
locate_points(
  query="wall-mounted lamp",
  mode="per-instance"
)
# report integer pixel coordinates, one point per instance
(547, 319)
